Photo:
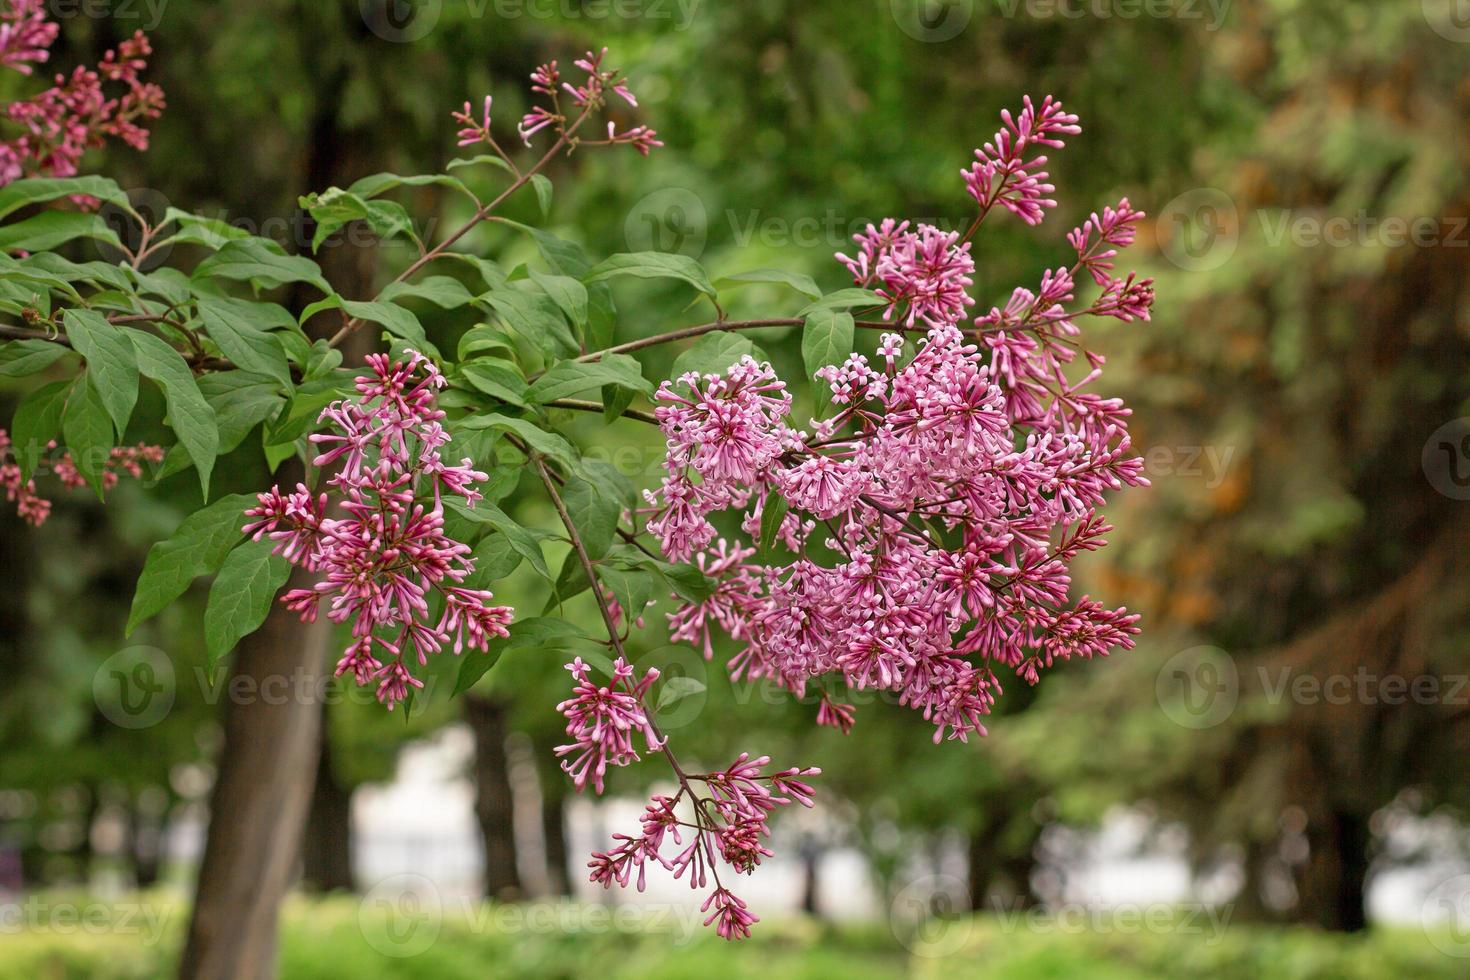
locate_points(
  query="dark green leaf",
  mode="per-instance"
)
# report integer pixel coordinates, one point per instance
(37, 189)
(567, 378)
(241, 596)
(653, 265)
(21, 358)
(198, 547)
(242, 330)
(111, 362)
(37, 422)
(87, 430)
(798, 281)
(262, 262)
(190, 416)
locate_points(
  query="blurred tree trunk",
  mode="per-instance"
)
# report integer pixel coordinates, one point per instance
(260, 798)
(811, 859)
(327, 848)
(494, 807)
(1333, 882)
(554, 832)
(266, 779)
(146, 840)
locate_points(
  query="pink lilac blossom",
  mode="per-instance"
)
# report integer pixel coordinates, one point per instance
(591, 94)
(1002, 173)
(932, 520)
(387, 558)
(726, 825)
(76, 114)
(33, 508)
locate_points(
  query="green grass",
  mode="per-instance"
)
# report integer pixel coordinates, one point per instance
(342, 937)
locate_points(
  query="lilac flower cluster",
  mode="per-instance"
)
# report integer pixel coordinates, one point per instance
(387, 557)
(547, 83)
(33, 508)
(933, 518)
(75, 114)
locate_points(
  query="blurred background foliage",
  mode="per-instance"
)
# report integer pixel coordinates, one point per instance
(1283, 394)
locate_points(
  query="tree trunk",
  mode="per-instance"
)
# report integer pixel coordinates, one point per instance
(1333, 884)
(327, 849)
(261, 795)
(146, 841)
(981, 868)
(554, 832)
(811, 858)
(493, 802)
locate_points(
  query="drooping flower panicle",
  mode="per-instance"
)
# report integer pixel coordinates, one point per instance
(77, 113)
(386, 558)
(933, 518)
(32, 507)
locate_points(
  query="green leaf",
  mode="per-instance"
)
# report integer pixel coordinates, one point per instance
(334, 208)
(190, 416)
(474, 161)
(37, 421)
(524, 543)
(110, 361)
(398, 321)
(242, 330)
(240, 598)
(826, 339)
(193, 229)
(497, 378)
(567, 293)
(615, 401)
(594, 513)
(547, 443)
(675, 689)
(543, 193)
(47, 230)
(21, 358)
(536, 316)
(198, 547)
(632, 587)
(445, 292)
(773, 512)
(713, 354)
(376, 184)
(653, 265)
(570, 582)
(241, 401)
(87, 431)
(37, 189)
(688, 581)
(261, 262)
(798, 281)
(567, 378)
(97, 273)
(845, 299)
(305, 405)
(494, 560)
